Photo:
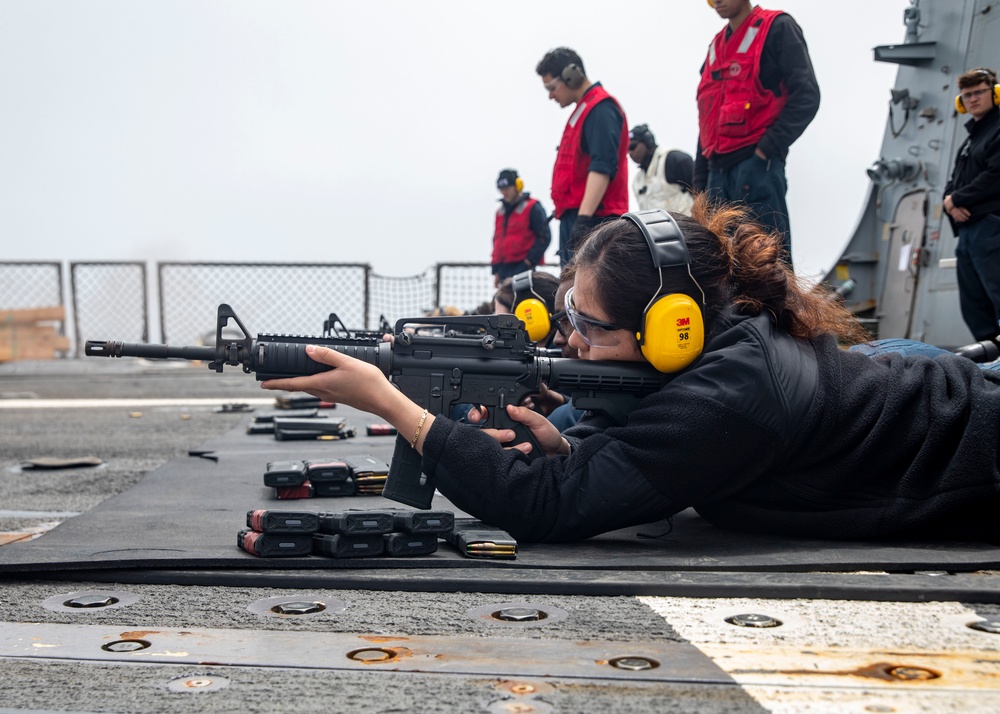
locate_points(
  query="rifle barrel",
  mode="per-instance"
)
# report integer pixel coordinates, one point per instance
(110, 348)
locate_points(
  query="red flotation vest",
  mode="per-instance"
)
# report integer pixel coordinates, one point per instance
(569, 175)
(734, 109)
(511, 242)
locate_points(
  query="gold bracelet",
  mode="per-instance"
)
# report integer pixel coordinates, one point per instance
(420, 426)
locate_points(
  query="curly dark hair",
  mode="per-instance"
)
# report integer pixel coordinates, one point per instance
(736, 262)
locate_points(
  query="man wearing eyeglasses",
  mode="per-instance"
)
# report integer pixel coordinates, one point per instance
(590, 176)
(972, 201)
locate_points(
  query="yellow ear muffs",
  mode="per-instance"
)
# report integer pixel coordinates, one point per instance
(519, 184)
(960, 105)
(529, 308)
(535, 316)
(673, 332)
(672, 335)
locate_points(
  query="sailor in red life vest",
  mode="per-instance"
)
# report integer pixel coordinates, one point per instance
(521, 234)
(590, 176)
(757, 94)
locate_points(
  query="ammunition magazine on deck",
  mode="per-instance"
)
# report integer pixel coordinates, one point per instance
(272, 533)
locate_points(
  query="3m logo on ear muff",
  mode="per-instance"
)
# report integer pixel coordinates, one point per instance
(529, 308)
(673, 324)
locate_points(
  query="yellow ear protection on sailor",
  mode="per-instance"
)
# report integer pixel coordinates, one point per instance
(572, 75)
(672, 334)
(529, 308)
(989, 77)
(509, 177)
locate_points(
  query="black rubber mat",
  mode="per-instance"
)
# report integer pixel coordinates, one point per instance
(186, 514)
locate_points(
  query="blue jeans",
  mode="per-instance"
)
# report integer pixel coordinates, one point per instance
(910, 347)
(760, 185)
(978, 270)
(565, 416)
(566, 223)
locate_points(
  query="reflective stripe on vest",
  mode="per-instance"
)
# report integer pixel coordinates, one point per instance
(569, 174)
(734, 109)
(513, 240)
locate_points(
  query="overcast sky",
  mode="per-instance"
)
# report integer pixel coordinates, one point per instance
(369, 131)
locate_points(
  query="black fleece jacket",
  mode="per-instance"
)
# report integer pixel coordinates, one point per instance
(762, 433)
(975, 180)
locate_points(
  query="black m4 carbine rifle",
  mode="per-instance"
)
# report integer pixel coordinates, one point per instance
(437, 362)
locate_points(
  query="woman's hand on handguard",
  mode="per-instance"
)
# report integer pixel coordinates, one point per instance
(362, 386)
(352, 382)
(545, 433)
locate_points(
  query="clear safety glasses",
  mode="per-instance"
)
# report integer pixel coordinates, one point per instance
(551, 86)
(966, 96)
(595, 333)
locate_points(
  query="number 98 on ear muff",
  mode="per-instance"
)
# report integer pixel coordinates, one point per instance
(673, 324)
(674, 332)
